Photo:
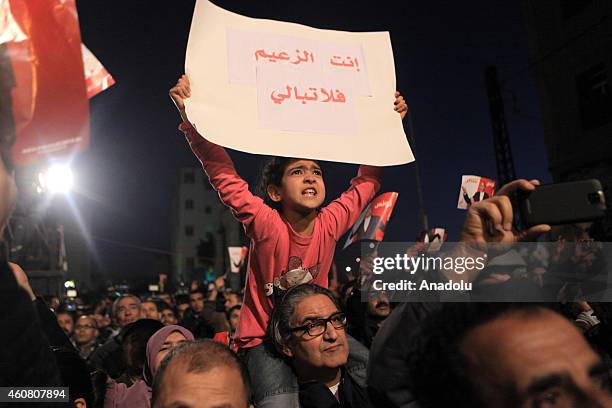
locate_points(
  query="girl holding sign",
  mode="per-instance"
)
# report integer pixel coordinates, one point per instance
(292, 239)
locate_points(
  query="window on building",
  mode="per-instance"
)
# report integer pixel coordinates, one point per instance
(189, 204)
(571, 8)
(189, 263)
(594, 97)
(189, 231)
(188, 177)
(207, 209)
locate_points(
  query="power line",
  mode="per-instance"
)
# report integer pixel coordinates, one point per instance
(139, 247)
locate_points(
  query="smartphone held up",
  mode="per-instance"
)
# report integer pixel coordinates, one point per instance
(563, 203)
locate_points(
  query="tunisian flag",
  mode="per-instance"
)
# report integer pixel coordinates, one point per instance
(49, 100)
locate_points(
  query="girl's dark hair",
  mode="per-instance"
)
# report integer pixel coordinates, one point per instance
(272, 174)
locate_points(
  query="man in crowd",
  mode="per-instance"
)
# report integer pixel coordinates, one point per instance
(126, 310)
(227, 337)
(505, 355)
(167, 298)
(149, 310)
(201, 374)
(233, 317)
(65, 320)
(197, 300)
(308, 329)
(232, 299)
(201, 318)
(182, 304)
(366, 318)
(86, 336)
(167, 315)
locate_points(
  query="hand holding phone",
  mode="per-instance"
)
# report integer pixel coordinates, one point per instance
(563, 203)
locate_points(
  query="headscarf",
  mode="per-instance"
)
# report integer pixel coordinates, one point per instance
(155, 344)
(138, 395)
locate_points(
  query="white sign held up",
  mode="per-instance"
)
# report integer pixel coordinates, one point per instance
(284, 89)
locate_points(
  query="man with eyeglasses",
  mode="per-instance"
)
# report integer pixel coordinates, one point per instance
(307, 328)
(86, 336)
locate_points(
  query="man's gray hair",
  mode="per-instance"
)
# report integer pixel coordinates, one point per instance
(123, 296)
(200, 356)
(279, 327)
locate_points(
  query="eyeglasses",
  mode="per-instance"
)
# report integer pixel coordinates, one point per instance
(84, 326)
(317, 327)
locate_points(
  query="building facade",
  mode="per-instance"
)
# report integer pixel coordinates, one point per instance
(571, 47)
(202, 228)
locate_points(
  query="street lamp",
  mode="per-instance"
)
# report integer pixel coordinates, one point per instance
(56, 179)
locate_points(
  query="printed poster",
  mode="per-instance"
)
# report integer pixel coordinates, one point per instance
(373, 219)
(474, 189)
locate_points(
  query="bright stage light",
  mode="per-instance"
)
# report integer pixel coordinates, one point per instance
(57, 179)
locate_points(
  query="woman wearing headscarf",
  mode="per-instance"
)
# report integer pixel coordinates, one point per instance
(119, 395)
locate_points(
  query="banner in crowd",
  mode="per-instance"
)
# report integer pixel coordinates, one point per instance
(293, 83)
(474, 189)
(237, 256)
(50, 111)
(373, 219)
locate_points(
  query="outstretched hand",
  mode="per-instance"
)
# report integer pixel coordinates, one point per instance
(180, 92)
(490, 220)
(400, 105)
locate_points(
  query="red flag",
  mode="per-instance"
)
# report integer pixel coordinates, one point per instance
(50, 104)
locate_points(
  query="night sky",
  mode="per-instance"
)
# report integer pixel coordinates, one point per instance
(441, 48)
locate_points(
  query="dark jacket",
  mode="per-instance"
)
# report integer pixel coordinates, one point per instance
(109, 357)
(360, 325)
(207, 323)
(26, 358)
(350, 394)
(388, 363)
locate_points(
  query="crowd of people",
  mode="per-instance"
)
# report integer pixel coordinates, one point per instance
(289, 339)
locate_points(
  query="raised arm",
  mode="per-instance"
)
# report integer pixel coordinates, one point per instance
(218, 166)
(491, 222)
(343, 212)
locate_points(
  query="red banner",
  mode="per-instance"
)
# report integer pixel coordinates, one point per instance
(373, 220)
(49, 100)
